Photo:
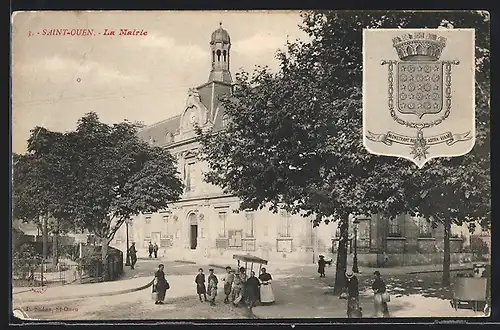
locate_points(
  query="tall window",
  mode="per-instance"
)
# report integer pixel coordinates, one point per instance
(148, 218)
(394, 227)
(166, 219)
(250, 224)
(222, 224)
(424, 227)
(190, 177)
(284, 230)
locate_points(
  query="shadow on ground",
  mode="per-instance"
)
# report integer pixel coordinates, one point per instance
(425, 284)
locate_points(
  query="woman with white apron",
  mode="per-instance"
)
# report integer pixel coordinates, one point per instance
(266, 290)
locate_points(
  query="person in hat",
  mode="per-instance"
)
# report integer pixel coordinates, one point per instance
(378, 287)
(212, 286)
(321, 265)
(352, 288)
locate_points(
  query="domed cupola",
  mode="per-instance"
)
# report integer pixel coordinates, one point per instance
(220, 35)
(220, 45)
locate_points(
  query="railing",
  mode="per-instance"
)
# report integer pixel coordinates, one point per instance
(34, 273)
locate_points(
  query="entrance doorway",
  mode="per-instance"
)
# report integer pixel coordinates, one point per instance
(194, 236)
(193, 223)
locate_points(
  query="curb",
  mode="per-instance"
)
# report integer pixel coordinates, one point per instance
(217, 266)
(186, 262)
(105, 294)
(439, 271)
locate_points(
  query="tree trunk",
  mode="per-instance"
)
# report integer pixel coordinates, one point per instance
(341, 265)
(104, 256)
(446, 256)
(45, 237)
(55, 243)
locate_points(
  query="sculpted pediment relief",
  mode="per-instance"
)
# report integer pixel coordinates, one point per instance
(195, 113)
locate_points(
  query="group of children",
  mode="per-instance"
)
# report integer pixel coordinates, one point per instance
(237, 287)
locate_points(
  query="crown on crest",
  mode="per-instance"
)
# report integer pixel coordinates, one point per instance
(419, 45)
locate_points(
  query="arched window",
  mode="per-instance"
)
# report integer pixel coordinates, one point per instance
(224, 54)
(213, 56)
(218, 55)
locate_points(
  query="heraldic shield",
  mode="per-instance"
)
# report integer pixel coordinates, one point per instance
(420, 88)
(418, 102)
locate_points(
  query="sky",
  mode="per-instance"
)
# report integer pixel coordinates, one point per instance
(57, 79)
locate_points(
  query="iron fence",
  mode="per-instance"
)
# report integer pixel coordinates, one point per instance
(34, 272)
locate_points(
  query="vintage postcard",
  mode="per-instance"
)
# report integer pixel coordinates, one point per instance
(420, 91)
(174, 165)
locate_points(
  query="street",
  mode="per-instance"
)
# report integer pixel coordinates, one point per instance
(299, 292)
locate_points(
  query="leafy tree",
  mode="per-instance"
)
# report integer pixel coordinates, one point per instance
(109, 175)
(39, 181)
(294, 139)
(117, 176)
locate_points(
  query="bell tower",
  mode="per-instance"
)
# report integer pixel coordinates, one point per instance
(220, 46)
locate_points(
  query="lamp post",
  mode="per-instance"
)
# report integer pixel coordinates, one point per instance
(355, 258)
(127, 262)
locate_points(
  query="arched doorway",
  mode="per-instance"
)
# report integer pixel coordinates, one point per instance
(193, 225)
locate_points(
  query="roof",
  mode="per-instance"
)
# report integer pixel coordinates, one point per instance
(220, 35)
(160, 131)
(249, 258)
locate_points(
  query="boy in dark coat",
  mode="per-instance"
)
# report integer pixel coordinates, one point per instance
(200, 284)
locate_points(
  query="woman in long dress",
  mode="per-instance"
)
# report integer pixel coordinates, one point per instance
(160, 284)
(266, 290)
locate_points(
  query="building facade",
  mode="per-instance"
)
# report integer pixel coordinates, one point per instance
(204, 226)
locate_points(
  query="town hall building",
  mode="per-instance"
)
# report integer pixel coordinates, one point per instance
(203, 226)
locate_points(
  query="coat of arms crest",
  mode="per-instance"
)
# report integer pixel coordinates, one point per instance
(419, 101)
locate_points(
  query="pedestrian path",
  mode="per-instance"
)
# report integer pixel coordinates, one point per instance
(82, 290)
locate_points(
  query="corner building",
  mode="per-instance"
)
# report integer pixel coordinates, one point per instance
(203, 227)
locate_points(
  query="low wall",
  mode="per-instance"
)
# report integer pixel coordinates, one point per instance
(407, 259)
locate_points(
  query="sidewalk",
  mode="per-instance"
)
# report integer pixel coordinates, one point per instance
(75, 291)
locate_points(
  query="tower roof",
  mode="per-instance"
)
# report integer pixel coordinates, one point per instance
(220, 35)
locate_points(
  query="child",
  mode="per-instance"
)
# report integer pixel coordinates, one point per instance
(228, 282)
(321, 265)
(212, 286)
(200, 284)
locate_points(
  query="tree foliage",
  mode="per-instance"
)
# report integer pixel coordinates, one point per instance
(95, 177)
(294, 138)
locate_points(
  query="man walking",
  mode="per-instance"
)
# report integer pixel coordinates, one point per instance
(150, 250)
(155, 250)
(133, 255)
